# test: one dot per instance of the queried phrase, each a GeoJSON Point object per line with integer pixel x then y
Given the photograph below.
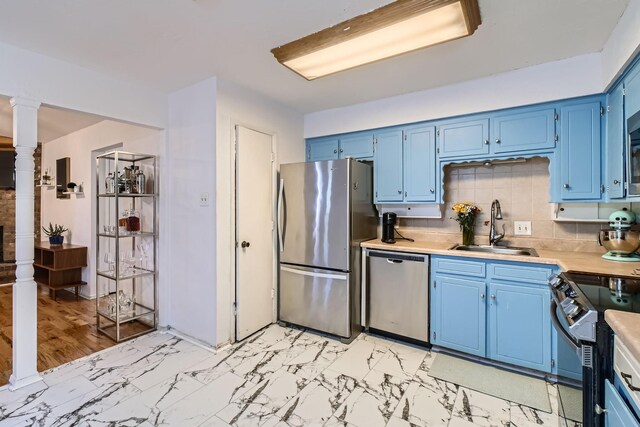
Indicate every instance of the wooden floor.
{"type": "Point", "coordinates": [66, 330]}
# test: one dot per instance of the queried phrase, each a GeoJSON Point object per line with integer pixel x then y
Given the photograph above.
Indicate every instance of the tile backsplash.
{"type": "Point", "coordinates": [523, 192]}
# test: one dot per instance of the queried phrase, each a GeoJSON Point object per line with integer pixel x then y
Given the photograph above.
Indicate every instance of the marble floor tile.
{"type": "Point", "coordinates": [319, 400]}
{"type": "Point", "coordinates": [259, 403]}
{"type": "Point", "coordinates": [279, 377]}
{"type": "Point", "coordinates": [359, 359]}
{"type": "Point", "coordinates": [481, 409]}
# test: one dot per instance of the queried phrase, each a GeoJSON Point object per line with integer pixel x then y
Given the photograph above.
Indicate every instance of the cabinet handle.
{"type": "Point", "coordinates": [405, 194]}
{"type": "Point", "coordinates": [497, 141]}
{"type": "Point", "coordinates": [565, 185]}
{"type": "Point", "coordinates": [482, 296]}
{"type": "Point", "coordinates": [600, 410]}
{"type": "Point", "coordinates": [486, 142]}
{"type": "Point", "coordinates": [342, 150]}
{"type": "Point", "coordinates": [493, 296]}
{"type": "Point", "coordinates": [627, 379]}
{"type": "Point", "coordinates": [432, 190]}
{"type": "Point", "coordinates": [335, 151]}
{"type": "Point", "coordinates": [616, 181]}
{"type": "Point", "coordinates": [399, 191]}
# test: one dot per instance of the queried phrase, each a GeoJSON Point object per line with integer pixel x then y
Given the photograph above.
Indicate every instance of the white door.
{"type": "Point", "coordinates": [255, 243]}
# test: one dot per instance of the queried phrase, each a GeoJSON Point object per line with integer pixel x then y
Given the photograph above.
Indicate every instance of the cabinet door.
{"type": "Point", "coordinates": [358, 146]}
{"type": "Point", "coordinates": [322, 149]}
{"type": "Point", "coordinates": [420, 164]}
{"type": "Point", "coordinates": [520, 326]}
{"type": "Point", "coordinates": [618, 413]}
{"type": "Point", "coordinates": [632, 92]}
{"type": "Point", "coordinates": [580, 152]}
{"type": "Point", "coordinates": [525, 131]}
{"type": "Point", "coordinates": [615, 144]}
{"type": "Point", "coordinates": [464, 139]}
{"type": "Point", "coordinates": [388, 166]}
{"type": "Point", "coordinates": [458, 316]}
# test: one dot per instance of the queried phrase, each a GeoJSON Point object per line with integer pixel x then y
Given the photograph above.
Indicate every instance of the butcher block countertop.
{"type": "Point", "coordinates": [572, 262]}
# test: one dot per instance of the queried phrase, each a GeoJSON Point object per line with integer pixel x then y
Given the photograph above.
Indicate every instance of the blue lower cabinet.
{"type": "Point", "coordinates": [458, 314]}
{"type": "Point", "coordinates": [617, 414]}
{"type": "Point", "coordinates": [519, 325]}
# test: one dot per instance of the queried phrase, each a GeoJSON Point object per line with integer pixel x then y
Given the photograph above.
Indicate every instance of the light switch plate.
{"type": "Point", "coordinates": [522, 228]}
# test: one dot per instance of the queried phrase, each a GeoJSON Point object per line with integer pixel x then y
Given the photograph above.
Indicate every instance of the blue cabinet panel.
{"type": "Point", "coordinates": [521, 273]}
{"type": "Point", "coordinates": [519, 325]}
{"type": "Point", "coordinates": [455, 265]}
{"type": "Point", "coordinates": [358, 145]}
{"type": "Point", "coordinates": [419, 164]}
{"type": "Point", "coordinates": [459, 309]}
{"type": "Point", "coordinates": [580, 152]}
{"type": "Point", "coordinates": [615, 144]}
{"type": "Point", "coordinates": [632, 92]}
{"type": "Point", "coordinates": [531, 130]}
{"type": "Point", "coordinates": [388, 166]}
{"type": "Point", "coordinates": [464, 139]}
{"type": "Point", "coordinates": [618, 414]}
{"type": "Point", "coordinates": [322, 149]}
{"type": "Point", "coordinates": [568, 363]}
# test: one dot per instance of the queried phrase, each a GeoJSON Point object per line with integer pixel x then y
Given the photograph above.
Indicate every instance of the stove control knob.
{"type": "Point", "coordinates": [567, 303]}
{"type": "Point", "coordinates": [574, 312]}
{"type": "Point", "coordinates": [556, 281]}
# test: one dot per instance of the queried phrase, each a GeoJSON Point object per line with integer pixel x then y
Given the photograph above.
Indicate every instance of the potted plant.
{"type": "Point", "coordinates": [54, 232]}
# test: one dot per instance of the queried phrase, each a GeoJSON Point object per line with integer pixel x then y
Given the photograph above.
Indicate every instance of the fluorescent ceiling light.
{"type": "Point", "coordinates": [394, 29]}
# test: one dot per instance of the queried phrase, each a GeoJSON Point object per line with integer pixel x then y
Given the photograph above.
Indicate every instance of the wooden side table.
{"type": "Point", "coordinates": [59, 266]}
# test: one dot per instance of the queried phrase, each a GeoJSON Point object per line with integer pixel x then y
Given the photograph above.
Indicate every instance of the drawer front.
{"type": "Point", "coordinates": [520, 273]}
{"type": "Point", "coordinates": [628, 369]}
{"type": "Point", "coordinates": [460, 267]}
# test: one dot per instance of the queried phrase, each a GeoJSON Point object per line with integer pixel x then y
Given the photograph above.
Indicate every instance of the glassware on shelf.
{"type": "Point", "coordinates": [144, 249]}
{"type": "Point", "coordinates": [122, 223]}
{"type": "Point", "coordinates": [110, 183]}
{"type": "Point", "coordinates": [110, 261]}
{"type": "Point", "coordinates": [126, 303]}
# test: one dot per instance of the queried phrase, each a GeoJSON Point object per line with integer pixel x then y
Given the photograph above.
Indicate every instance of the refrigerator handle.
{"type": "Point", "coordinates": [280, 225]}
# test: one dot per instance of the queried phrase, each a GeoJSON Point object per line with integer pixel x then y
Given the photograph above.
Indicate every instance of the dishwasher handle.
{"type": "Point", "coordinates": [396, 258]}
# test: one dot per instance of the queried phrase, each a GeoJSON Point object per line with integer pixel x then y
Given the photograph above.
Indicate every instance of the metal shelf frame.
{"type": "Point", "coordinates": [114, 325]}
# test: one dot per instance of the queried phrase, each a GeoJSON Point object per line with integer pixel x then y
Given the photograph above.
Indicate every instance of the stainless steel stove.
{"type": "Point", "coordinates": [585, 340]}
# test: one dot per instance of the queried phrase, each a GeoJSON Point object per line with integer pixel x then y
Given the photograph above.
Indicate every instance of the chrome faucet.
{"type": "Point", "coordinates": [496, 213]}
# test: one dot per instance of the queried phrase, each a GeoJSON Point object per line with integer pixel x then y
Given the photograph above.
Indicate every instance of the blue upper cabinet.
{"type": "Point", "coordinates": [323, 148]}
{"type": "Point", "coordinates": [632, 91]}
{"type": "Point", "coordinates": [519, 325]}
{"type": "Point", "coordinates": [464, 139]}
{"type": "Point", "coordinates": [358, 145]}
{"type": "Point", "coordinates": [580, 174]}
{"type": "Point", "coordinates": [419, 164]}
{"type": "Point", "coordinates": [388, 166]}
{"type": "Point", "coordinates": [614, 181]}
{"type": "Point", "coordinates": [521, 132]}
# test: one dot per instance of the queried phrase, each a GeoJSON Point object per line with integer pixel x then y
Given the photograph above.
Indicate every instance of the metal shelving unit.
{"type": "Point", "coordinates": [126, 278]}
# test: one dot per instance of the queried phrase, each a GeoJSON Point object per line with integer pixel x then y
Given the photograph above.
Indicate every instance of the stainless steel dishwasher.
{"type": "Point", "coordinates": [397, 294]}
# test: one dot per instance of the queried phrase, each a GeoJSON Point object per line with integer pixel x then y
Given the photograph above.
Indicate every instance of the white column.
{"type": "Point", "coordinates": [25, 290]}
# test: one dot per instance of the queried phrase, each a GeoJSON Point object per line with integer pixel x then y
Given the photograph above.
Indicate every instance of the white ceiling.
{"type": "Point", "coordinates": [52, 122]}
{"type": "Point", "coordinates": [170, 44]}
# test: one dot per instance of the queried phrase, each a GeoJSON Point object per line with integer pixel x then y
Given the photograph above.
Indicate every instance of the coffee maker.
{"type": "Point", "coordinates": [388, 227]}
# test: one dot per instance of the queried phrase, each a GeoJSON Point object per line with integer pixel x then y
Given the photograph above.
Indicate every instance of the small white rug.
{"type": "Point", "coordinates": [528, 391]}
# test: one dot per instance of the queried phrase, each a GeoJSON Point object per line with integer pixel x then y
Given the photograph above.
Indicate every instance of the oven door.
{"type": "Point", "coordinates": [575, 390]}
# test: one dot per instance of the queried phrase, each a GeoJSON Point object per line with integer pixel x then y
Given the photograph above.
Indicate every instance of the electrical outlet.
{"type": "Point", "coordinates": [522, 228]}
{"type": "Point", "coordinates": [204, 199]}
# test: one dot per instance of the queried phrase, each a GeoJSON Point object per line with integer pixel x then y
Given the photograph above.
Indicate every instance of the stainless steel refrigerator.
{"type": "Point", "coordinates": [325, 209]}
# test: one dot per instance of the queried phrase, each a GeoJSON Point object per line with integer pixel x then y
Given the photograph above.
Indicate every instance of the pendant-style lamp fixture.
{"type": "Point", "coordinates": [390, 30]}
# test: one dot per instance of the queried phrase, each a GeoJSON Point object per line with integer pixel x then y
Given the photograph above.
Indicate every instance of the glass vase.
{"type": "Point", "coordinates": [467, 235]}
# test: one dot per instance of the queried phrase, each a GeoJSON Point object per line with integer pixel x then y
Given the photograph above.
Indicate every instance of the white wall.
{"type": "Point", "coordinates": [191, 292]}
{"type": "Point", "coordinates": [58, 83]}
{"type": "Point", "coordinates": [75, 213]}
{"type": "Point", "coordinates": [239, 106]}
{"type": "Point", "coordinates": [555, 80]}
{"type": "Point", "coordinates": [623, 43]}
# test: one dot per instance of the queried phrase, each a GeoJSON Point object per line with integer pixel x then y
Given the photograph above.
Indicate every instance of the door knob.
{"type": "Point", "coordinates": [486, 142]}
{"type": "Point", "coordinates": [497, 141]}
{"type": "Point", "coordinates": [616, 181]}
{"type": "Point", "coordinates": [482, 296]}
{"type": "Point", "coordinates": [335, 151]}
{"type": "Point", "coordinates": [399, 191]}
{"type": "Point", "coordinates": [432, 190]}
{"type": "Point", "coordinates": [565, 186]}
{"type": "Point", "coordinates": [493, 296]}
{"type": "Point", "coordinates": [245, 244]}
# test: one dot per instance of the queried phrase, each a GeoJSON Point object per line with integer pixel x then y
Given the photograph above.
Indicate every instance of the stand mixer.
{"type": "Point", "coordinates": [619, 239]}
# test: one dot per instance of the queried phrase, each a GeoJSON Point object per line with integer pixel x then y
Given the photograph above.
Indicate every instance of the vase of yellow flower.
{"type": "Point", "coordinates": [466, 216]}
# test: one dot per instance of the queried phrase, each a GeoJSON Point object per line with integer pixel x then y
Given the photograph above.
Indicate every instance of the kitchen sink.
{"type": "Point", "coordinates": [501, 250]}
